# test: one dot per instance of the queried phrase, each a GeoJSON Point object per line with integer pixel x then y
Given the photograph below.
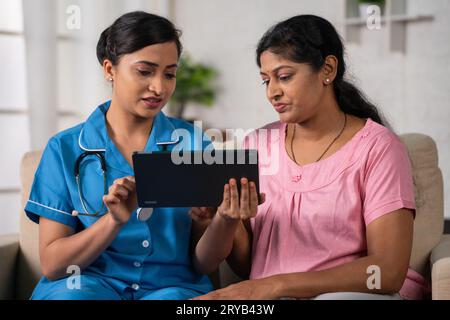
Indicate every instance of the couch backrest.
{"type": "Point", "coordinates": [428, 225]}
{"type": "Point", "coordinates": [429, 222]}
{"type": "Point", "coordinates": [29, 270]}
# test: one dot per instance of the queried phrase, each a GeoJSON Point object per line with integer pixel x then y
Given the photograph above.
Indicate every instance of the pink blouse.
{"type": "Point", "coordinates": [315, 216]}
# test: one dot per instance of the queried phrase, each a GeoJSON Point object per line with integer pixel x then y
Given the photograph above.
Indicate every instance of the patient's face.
{"type": "Point", "coordinates": [295, 90]}
{"type": "Point", "coordinates": [145, 80]}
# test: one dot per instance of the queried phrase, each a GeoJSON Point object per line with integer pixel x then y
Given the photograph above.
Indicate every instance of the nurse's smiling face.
{"type": "Point", "coordinates": [144, 81]}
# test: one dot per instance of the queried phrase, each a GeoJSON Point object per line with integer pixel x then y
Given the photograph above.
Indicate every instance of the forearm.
{"type": "Point", "coordinates": [197, 230]}
{"type": "Point", "coordinates": [355, 276]}
{"type": "Point", "coordinates": [80, 249]}
{"type": "Point", "coordinates": [240, 256]}
{"type": "Point", "coordinates": [215, 244]}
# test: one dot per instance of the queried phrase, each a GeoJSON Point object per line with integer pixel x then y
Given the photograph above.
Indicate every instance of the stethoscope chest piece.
{"type": "Point", "coordinates": [143, 214]}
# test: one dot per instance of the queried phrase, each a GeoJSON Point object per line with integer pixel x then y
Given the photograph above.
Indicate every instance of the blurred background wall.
{"type": "Point", "coordinates": [50, 78]}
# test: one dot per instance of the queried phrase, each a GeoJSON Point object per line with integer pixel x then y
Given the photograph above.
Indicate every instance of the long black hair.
{"type": "Point", "coordinates": [310, 39]}
{"type": "Point", "coordinates": [134, 31]}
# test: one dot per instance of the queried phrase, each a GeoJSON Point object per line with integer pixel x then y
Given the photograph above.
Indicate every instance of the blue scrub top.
{"type": "Point", "coordinates": [153, 254]}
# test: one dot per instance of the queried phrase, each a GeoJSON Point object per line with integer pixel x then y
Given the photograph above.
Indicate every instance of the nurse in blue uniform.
{"type": "Point", "coordinates": [83, 194]}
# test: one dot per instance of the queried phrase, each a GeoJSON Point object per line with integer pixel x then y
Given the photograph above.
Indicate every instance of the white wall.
{"type": "Point", "coordinates": [412, 89]}
{"type": "Point", "coordinates": [224, 34]}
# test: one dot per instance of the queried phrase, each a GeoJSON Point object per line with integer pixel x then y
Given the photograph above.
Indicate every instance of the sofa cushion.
{"type": "Point", "coordinates": [428, 183]}
{"type": "Point", "coordinates": [29, 271]}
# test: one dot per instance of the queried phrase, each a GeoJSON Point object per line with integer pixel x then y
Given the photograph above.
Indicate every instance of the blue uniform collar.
{"type": "Point", "coordinates": [94, 135]}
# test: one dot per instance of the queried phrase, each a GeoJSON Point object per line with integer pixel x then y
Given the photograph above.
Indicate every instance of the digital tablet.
{"type": "Point", "coordinates": [192, 178]}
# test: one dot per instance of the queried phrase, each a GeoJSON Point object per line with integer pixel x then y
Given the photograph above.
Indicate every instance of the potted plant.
{"type": "Point", "coordinates": [194, 84]}
{"type": "Point", "coordinates": [365, 4]}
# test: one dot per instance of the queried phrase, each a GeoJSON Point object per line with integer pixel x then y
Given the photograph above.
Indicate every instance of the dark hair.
{"type": "Point", "coordinates": [134, 31]}
{"type": "Point", "coordinates": [310, 39]}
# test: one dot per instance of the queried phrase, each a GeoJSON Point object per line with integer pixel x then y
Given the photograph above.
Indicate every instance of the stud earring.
{"type": "Point", "coordinates": [110, 79]}
{"type": "Point", "coordinates": [327, 80]}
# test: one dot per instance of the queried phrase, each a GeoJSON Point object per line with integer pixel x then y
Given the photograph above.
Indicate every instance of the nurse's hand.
{"type": "Point", "coordinates": [121, 199]}
{"type": "Point", "coordinates": [240, 207]}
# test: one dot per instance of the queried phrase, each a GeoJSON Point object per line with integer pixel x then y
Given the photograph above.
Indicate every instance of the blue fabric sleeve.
{"type": "Point", "coordinates": [49, 196]}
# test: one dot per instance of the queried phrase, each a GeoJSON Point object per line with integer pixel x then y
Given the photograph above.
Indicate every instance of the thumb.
{"type": "Point", "coordinates": [105, 200]}
{"type": "Point", "coordinates": [263, 198]}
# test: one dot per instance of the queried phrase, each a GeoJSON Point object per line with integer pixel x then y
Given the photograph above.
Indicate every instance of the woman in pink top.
{"type": "Point", "coordinates": [337, 222]}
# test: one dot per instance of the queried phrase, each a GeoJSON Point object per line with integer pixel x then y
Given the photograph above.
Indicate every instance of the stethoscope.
{"type": "Point", "coordinates": [143, 214]}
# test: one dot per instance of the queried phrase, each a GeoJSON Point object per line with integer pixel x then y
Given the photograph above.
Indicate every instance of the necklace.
{"type": "Point", "coordinates": [329, 146]}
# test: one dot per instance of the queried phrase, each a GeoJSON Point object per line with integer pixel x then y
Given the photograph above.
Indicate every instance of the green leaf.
{"type": "Point", "coordinates": [195, 83]}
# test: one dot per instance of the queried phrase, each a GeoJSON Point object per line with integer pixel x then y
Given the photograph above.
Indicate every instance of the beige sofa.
{"type": "Point", "coordinates": [19, 258]}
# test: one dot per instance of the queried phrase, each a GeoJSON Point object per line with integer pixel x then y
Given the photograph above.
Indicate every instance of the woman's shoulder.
{"type": "Point", "coordinates": [264, 136]}
{"type": "Point", "coordinates": [67, 135]}
{"type": "Point", "coordinates": [376, 143]}
{"type": "Point", "coordinates": [192, 135]}
{"type": "Point", "coordinates": [379, 136]}
{"type": "Point", "coordinates": [62, 145]}
{"type": "Point", "coordinates": [178, 123]}
{"type": "Point", "coordinates": [273, 129]}
{"type": "Point", "coordinates": [276, 125]}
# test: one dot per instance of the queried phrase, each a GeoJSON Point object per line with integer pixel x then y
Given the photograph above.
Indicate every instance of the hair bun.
{"type": "Point", "coordinates": [102, 46]}
{"type": "Point", "coordinates": [134, 31]}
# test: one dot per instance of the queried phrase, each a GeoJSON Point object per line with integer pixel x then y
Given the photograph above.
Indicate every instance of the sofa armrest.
{"type": "Point", "coordinates": [440, 269]}
{"type": "Point", "coordinates": [9, 248]}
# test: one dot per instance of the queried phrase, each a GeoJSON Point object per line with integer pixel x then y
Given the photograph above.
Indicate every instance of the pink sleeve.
{"type": "Point", "coordinates": [388, 183]}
